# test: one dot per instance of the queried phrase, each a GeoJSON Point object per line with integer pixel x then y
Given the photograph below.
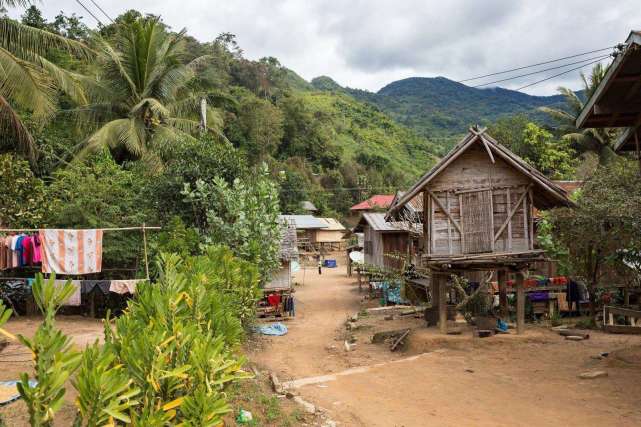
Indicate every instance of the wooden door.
{"type": "Point", "coordinates": [477, 222]}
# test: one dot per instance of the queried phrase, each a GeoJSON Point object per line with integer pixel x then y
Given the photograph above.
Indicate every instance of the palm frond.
{"type": "Point", "coordinates": [13, 131]}
{"type": "Point", "coordinates": [27, 85]}
{"type": "Point", "coordinates": [560, 116]}
{"type": "Point", "coordinates": [67, 81]}
{"type": "Point", "coordinates": [154, 105]}
{"type": "Point", "coordinates": [119, 132]}
{"type": "Point", "coordinates": [24, 41]}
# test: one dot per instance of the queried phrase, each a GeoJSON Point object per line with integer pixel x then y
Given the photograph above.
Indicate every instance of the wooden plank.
{"type": "Point", "coordinates": [431, 205]}
{"type": "Point", "coordinates": [492, 220]}
{"type": "Point", "coordinates": [399, 340]}
{"type": "Point", "coordinates": [426, 223]}
{"type": "Point", "coordinates": [525, 224]}
{"type": "Point", "coordinates": [509, 222]}
{"type": "Point", "coordinates": [460, 208]}
{"type": "Point", "coordinates": [622, 329]}
{"type": "Point", "coordinates": [449, 229]}
{"type": "Point", "coordinates": [440, 206]}
{"type": "Point", "coordinates": [477, 222]}
{"type": "Point", "coordinates": [520, 304]}
{"type": "Point", "coordinates": [489, 152]}
{"type": "Point", "coordinates": [531, 218]}
{"type": "Point", "coordinates": [442, 303]}
{"type": "Point", "coordinates": [622, 311]}
{"type": "Point", "coordinates": [512, 212]}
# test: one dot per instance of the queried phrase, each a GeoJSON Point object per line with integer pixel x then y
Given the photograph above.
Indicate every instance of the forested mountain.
{"type": "Point", "coordinates": [438, 107]}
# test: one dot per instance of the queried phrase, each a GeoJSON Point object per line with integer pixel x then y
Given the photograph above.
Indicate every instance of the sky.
{"type": "Point", "coordinates": [367, 44]}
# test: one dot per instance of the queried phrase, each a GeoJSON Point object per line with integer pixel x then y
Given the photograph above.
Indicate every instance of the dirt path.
{"type": "Point", "coordinates": [454, 380]}
{"type": "Point", "coordinates": [323, 304]}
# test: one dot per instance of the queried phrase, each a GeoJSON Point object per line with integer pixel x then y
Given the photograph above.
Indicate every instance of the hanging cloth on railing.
{"type": "Point", "coordinates": [71, 251]}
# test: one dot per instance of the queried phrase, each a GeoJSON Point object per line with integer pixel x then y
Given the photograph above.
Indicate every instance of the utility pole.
{"type": "Point", "coordinates": [203, 114]}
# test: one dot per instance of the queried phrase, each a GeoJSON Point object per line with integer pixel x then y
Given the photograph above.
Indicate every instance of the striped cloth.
{"type": "Point", "coordinates": [71, 251]}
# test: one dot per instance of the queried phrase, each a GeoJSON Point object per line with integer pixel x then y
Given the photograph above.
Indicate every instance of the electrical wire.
{"type": "Point", "coordinates": [90, 13]}
{"type": "Point", "coordinates": [542, 71]}
{"type": "Point", "coordinates": [557, 75]}
{"type": "Point", "coordinates": [103, 12]}
{"type": "Point", "coordinates": [537, 64]}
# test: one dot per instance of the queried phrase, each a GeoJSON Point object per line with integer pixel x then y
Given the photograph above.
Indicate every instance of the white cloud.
{"type": "Point", "coordinates": [369, 43]}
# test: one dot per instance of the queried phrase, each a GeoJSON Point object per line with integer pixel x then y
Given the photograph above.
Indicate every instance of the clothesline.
{"type": "Point", "coordinates": [15, 230]}
{"type": "Point", "coordinates": [143, 228]}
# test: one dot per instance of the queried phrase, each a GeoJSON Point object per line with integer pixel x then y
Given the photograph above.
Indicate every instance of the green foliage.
{"type": "Point", "coordinates": [101, 194]}
{"type": "Point", "coordinates": [23, 199]}
{"type": "Point", "coordinates": [104, 389]}
{"type": "Point", "coordinates": [597, 141]}
{"type": "Point", "coordinates": [143, 99]}
{"type": "Point", "coordinates": [176, 238]}
{"type": "Point", "coordinates": [605, 222]}
{"type": "Point", "coordinates": [189, 161]}
{"type": "Point", "coordinates": [552, 156]}
{"type": "Point", "coordinates": [55, 360]}
{"type": "Point", "coordinates": [175, 342]}
{"type": "Point", "coordinates": [243, 216]}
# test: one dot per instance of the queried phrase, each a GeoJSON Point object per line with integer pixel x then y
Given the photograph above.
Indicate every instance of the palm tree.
{"type": "Point", "coordinates": [597, 141]}
{"type": "Point", "coordinates": [144, 96]}
{"type": "Point", "coordinates": [29, 81]}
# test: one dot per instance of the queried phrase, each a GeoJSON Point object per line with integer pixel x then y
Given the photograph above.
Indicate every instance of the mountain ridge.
{"type": "Point", "coordinates": [437, 107]}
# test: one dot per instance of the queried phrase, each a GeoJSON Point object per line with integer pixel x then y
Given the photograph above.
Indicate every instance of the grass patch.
{"type": "Point", "coordinates": [267, 409]}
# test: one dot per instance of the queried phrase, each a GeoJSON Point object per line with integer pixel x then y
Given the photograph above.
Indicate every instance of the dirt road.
{"type": "Point", "coordinates": [448, 380]}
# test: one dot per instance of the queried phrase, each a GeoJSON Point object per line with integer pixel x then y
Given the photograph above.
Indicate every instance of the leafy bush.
{"type": "Point", "coordinates": [23, 201]}
{"type": "Point", "coordinates": [243, 216]}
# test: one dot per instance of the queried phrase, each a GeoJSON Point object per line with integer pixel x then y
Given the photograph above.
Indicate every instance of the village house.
{"type": "Point", "coordinates": [387, 244]}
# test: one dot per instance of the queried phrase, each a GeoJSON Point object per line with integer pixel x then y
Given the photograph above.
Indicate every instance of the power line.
{"type": "Point", "coordinates": [89, 12]}
{"type": "Point", "coordinates": [101, 9]}
{"type": "Point", "coordinates": [536, 65]}
{"type": "Point", "coordinates": [557, 75]}
{"type": "Point", "coordinates": [542, 71]}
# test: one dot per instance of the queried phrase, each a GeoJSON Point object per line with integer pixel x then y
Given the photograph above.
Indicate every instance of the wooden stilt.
{"type": "Point", "coordinates": [442, 304]}
{"type": "Point", "coordinates": [520, 304]}
{"type": "Point", "coordinates": [503, 309]}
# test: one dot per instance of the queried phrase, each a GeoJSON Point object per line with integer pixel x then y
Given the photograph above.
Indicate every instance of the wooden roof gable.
{"type": "Point", "coordinates": [616, 102]}
{"type": "Point", "coordinates": [549, 194]}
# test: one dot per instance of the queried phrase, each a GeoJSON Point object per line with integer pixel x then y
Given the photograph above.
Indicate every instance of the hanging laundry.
{"type": "Point", "coordinates": [273, 300]}
{"type": "Point", "coordinates": [124, 286]}
{"type": "Point", "coordinates": [71, 251]}
{"type": "Point", "coordinates": [27, 250]}
{"type": "Point", "coordinates": [36, 249]}
{"type": "Point", "coordinates": [75, 298]}
{"type": "Point", "coordinates": [88, 286]}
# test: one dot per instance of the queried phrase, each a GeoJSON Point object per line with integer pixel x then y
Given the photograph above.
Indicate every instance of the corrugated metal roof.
{"type": "Point", "coordinates": [308, 206]}
{"type": "Point", "coordinates": [378, 201]}
{"type": "Point", "coordinates": [304, 222]}
{"type": "Point", "coordinates": [332, 224]}
{"type": "Point", "coordinates": [376, 220]}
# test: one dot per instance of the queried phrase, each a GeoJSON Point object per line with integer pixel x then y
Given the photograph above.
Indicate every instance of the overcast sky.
{"type": "Point", "coordinates": [369, 43]}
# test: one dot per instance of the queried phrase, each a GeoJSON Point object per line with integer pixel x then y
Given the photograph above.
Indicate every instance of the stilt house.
{"type": "Point", "coordinates": [479, 199]}
{"type": "Point", "coordinates": [478, 215]}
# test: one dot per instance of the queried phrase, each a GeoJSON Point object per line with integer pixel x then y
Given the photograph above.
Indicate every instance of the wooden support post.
{"type": "Point", "coordinates": [442, 304]}
{"type": "Point", "coordinates": [144, 242]}
{"type": "Point", "coordinates": [502, 279]}
{"type": "Point", "coordinates": [520, 303]}
{"type": "Point", "coordinates": [426, 223]}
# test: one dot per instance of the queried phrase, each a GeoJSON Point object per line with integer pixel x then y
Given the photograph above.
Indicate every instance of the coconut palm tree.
{"type": "Point", "coordinates": [29, 82]}
{"type": "Point", "coordinates": [597, 141]}
{"type": "Point", "coordinates": [144, 95]}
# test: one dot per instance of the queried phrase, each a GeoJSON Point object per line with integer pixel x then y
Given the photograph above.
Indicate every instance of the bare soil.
{"type": "Point", "coordinates": [454, 380]}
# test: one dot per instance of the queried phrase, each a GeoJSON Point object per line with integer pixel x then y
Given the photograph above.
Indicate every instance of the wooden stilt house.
{"type": "Point", "coordinates": [478, 208]}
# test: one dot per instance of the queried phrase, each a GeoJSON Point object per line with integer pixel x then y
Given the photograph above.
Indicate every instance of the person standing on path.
{"type": "Point", "coordinates": [320, 266]}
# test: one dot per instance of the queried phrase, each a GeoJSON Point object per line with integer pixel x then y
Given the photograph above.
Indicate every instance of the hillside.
{"type": "Point", "coordinates": [442, 108]}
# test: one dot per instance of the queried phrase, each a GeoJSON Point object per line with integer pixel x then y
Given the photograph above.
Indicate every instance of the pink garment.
{"type": "Point", "coordinates": [36, 249]}
{"type": "Point", "coordinates": [27, 250]}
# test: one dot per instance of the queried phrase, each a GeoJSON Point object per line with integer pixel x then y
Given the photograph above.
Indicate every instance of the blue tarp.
{"type": "Point", "coordinates": [15, 396]}
{"type": "Point", "coordinates": [273, 329]}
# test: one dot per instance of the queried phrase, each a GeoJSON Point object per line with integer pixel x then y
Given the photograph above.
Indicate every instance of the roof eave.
{"type": "Point", "coordinates": [605, 83]}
